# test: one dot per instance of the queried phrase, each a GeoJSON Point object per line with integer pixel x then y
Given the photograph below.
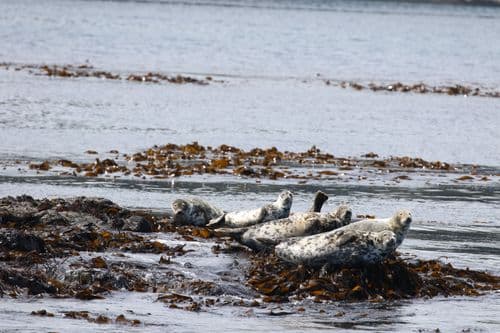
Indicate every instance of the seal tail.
{"type": "Point", "coordinates": [318, 201]}
{"type": "Point", "coordinates": [217, 221]}
{"type": "Point", "coordinates": [235, 233]}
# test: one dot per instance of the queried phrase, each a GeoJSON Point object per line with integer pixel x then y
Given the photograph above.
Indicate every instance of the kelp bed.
{"type": "Point", "coordinates": [87, 70]}
{"type": "Point", "coordinates": [172, 160]}
{"type": "Point", "coordinates": [394, 278]}
{"type": "Point", "coordinates": [41, 242]}
{"type": "Point", "coordinates": [73, 248]}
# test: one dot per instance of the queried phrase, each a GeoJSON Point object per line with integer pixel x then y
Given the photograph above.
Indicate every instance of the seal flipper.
{"type": "Point", "coordinates": [260, 244]}
{"type": "Point", "coordinates": [217, 221]}
{"type": "Point", "coordinates": [318, 201]}
{"type": "Point", "coordinates": [235, 233]}
{"type": "Point", "coordinates": [344, 238]}
{"type": "Point", "coordinates": [267, 242]}
{"type": "Point", "coordinates": [262, 215]}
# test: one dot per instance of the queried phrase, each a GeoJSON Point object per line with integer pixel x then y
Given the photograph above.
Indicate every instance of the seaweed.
{"type": "Point", "coordinates": [394, 278]}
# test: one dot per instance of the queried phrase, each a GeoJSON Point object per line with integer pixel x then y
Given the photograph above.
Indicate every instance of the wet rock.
{"type": "Point", "coordinates": [21, 241]}
{"type": "Point", "coordinates": [34, 284]}
{"type": "Point", "coordinates": [21, 210]}
{"type": "Point", "coordinates": [121, 319]}
{"type": "Point", "coordinates": [138, 224]}
{"type": "Point", "coordinates": [101, 319]}
{"type": "Point", "coordinates": [52, 217]}
{"type": "Point", "coordinates": [44, 166]}
{"type": "Point", "coordinates": [27, 242]}
{"type": "Point", "coordinates": [87, 295]}
{"type": "Point", "coordinates": [99, 262]}
{"type": "Point", "coordinates": [42, 313]}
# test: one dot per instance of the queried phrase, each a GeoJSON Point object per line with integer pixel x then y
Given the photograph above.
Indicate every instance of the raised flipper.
{"type": "Point", "coordinates": [318, 201]}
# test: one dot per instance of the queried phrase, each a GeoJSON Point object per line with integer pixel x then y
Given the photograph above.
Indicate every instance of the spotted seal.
{"type": "Point", "coordinates": [363, 242]}
{"type": "Point", "coordinates": [273, 211]}
{"type": "Point", "coordinates": [268, 234]}
{"type": "Point", "coordinates": [194, 211]}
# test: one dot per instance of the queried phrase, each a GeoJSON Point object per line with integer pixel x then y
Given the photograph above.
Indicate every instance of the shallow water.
{"type": "Point", "coordinates": [43, 117]}
{"type": "Point", "coordinates": [268, 53]}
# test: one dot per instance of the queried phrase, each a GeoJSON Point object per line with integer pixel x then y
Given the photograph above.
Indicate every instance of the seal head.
{"type": "Point", "coordinates": [194, 211]}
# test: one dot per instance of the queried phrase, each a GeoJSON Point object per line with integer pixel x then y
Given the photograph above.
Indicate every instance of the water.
{"type": "Point", "coordinates": [344, 39]}
{"type": "Point", "coordinates": [269, 55]}
{"type": "Point", "coordinates": [43, 117]}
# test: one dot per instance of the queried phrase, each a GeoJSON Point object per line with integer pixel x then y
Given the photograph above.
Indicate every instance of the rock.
{"type": "Point", "coordinates": [52, 217]}
{"type": "Point", "coordinates": [20, 241]}
{"type": "Point", "coordinates": [27, 242]}
{"type": "Point", "coordinates": [137, 223]}
{"type": "Point", "coordinates": [34, 284]}
{"type": "Point", "coordinates": [21, 210]}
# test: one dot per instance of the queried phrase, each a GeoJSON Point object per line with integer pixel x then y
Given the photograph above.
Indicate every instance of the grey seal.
{"type": "Point", "coordinates": [194, 211]}
{"type": "Point", "coordinates": [363, 242]}
{"type": "Point", "coordinates": [268, 234]}
{"type": "Point", "coordinates": [273, 211]}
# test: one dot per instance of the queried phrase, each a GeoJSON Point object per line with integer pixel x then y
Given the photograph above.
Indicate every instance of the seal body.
{"type": "Point", "coordinates": [338, 247]}
{"type": "Point", "coordinates": [363, 242]}
{"type": "Point", "coordinates": [194, 211]}
{"type": "Point", "coordinates": [268, 234]}
{"type": "Point", "coordinates": [273, 211]}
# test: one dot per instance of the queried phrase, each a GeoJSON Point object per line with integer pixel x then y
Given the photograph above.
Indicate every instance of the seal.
{"type": "Point", "coordinates": [363, 242]}
{"type": "Point", "coordinates": [273, 211]}
{"type": "Point", "coordinates": [262, 236]}
{"type": "Point", "coordinates": [194, 211]}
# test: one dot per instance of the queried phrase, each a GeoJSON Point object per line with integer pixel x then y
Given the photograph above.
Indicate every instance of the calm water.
{"type": "Point", "coordinates": [370, 40]}
{"type": "Point", "coordinates": [269, 54]}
